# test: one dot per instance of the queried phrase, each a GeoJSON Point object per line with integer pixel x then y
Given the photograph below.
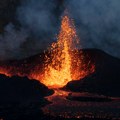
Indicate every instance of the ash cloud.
{"type": "Point", "coordinates": [37, 29]}
{"type": "Point", "coordinates": [98, 23]}
{"type": "Point", "coordinates": [11, 41]}
{"type": "Point", "coordinates": [38, 16]}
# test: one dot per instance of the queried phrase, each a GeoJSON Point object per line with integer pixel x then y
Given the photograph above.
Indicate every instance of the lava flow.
{"type": "Point", "coordinates": [63, 63]}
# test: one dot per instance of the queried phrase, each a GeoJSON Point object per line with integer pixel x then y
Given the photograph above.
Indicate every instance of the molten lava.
{"type": "Point", "coordinates": [63, 63]}
{"type": "Point", "coordinates": [58, 72]}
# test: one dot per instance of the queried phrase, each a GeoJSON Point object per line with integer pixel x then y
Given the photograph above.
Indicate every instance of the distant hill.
{"type": "Point", "coordinates": [105, 80]}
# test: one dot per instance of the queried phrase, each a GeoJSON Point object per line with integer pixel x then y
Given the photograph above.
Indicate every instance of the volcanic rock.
{"type": "Point", "coordinates": [106, 78]}
{"type": "Point", "coordinates": [21, 98]}
{"type": "Point", "coordinates": [21, 88]}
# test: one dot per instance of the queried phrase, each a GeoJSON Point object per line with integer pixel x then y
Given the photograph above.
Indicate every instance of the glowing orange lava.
{"type": "Point", "coordinates": [65, 64]}
{"type": "Point", "coordinates": [5, 72]}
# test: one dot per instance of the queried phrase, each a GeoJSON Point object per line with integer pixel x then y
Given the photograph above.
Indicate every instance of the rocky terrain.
{"type": "Point", "coordinates": [21, 97]}
{"type": "Point", "coordinates": [106, 78]}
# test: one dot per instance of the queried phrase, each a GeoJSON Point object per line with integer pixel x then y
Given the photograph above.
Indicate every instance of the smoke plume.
{"type": "Point", "coordinates": [98, 23]}
{"type": "Point", "coordinates": [38, 26]}
{"type": "Point", "coordinates": [11, 41]}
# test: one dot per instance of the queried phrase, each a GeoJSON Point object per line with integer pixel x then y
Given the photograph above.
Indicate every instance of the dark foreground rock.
{"type": "Point", "coordinates": [21, 98]}
{"type": "Point", "coordinates": [89, 99]}
{"type": "Point", "coordinates": [106, 78]}
{"type": "Point", "coordinates": [19, 89]}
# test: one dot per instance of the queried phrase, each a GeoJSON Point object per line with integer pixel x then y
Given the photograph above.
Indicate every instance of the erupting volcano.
{"type": "Point", "coordinates": [60, 71]}
{"type": "Point", "coordinates": [62, 63]}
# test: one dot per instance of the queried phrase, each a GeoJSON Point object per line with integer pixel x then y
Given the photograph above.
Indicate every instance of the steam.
{"type": "Point", "coordinates": [11, 41]}
{"type": "Point", "coordinates": [37, 16]}
{"type": "Point", "coordinates": [98, 23]}
{"type": "Point", "coordinates": [38, 27]}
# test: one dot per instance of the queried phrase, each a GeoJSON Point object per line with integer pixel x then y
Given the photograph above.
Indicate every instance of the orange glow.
{"type": "Point", "coordinates": [63, 63]}
{"type": "Point", "coordinates": [5, 72]}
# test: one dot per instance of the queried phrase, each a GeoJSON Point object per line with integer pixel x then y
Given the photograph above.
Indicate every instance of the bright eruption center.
{"type": "Point", "coordinates": [60, 70]}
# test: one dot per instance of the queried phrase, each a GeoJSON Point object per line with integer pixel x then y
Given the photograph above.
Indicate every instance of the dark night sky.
{"type": "Point", "coordinates": [97, 23]}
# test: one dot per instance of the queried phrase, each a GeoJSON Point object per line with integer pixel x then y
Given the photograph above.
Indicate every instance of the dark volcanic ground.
{"type": "Point", "coordinates": [97, 96]}
{"type": "Point", "coordinates": [21, 98]}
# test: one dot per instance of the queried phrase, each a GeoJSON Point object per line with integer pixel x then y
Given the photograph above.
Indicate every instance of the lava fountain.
{"type": "Point", "coordinates": [64, 63]}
